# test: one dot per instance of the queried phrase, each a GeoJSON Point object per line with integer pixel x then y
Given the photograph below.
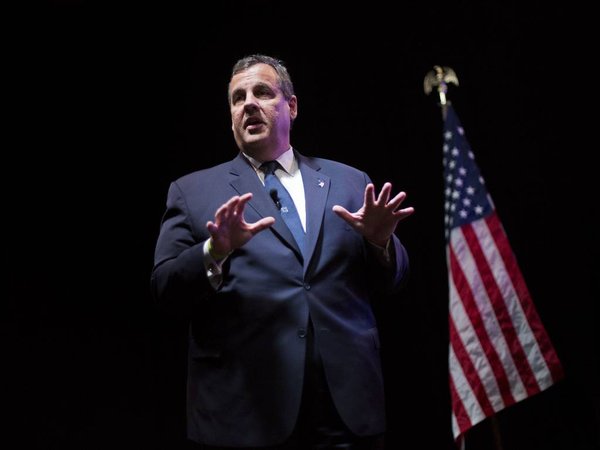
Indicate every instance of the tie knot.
{"type": "Point", "coordinates": [269, 167]}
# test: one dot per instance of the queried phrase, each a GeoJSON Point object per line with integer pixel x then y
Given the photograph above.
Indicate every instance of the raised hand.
{"type": "Point", "coordinates": [378, 217]}
{"type": "Point", "coordinates": [229, 229]}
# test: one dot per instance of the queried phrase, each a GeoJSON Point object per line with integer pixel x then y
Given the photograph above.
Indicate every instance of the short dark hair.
{"type": "Point", "coordinates": [285, 82]}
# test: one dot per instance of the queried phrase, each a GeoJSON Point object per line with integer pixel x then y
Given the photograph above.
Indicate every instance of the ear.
{"type": "Point", "coordinates": [293, 104]}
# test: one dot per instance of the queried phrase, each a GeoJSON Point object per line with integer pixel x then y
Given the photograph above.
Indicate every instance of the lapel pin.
{"type": "Point", "coordinates": [321, 183]}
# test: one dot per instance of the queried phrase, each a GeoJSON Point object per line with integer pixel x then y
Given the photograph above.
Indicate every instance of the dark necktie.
{"type": "Point", "coordinates": [284, 202]}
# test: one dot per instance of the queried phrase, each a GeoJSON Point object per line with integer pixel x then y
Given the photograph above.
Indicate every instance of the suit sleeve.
{"type": "Point", "coordinates": [390, 276]}
{"type": "Point", "coordinates": [179, 277]}
{"type": "Point", "coordinates": [401, 265]}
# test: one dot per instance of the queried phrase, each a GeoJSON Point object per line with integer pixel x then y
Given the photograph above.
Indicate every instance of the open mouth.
{"type": "Point", "coordinates": [253, 123]}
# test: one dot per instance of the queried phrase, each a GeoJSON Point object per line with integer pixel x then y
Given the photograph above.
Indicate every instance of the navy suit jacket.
{"type": "Point", "coordinates": [247, 338]}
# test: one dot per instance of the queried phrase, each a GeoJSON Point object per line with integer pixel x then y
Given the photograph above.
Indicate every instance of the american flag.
{"type": "Point", "coordinates": [499, 350]}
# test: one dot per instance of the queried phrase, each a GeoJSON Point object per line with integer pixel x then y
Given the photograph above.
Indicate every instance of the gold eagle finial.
{"type": "Point", "coordinates": [440, 77]}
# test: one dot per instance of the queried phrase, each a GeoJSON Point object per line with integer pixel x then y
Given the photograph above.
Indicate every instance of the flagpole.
{"type": "Point", "coordinates": [496, 432]}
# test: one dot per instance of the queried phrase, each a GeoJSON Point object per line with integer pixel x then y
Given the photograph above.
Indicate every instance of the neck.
{"type": "Point", "coordinates": [263, 155]}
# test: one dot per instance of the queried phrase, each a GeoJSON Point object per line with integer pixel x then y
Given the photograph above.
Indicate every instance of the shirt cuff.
{"type": "Point", "coordinates": [383, 254]}
{"type": "Point", "coordinates": [213, 266]}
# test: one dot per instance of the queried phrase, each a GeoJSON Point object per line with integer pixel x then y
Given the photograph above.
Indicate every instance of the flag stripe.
{"type": "Point", "coordinates": [466, 297]}
{"type": "Point", "coordinates": [471, 374]}
{"type": "Point", "coordinates": [503, 317]}
{"type": "Point", "coordinates": [551, 360]}
{"type": "Point", "coordinates": [493, 328]}
{"type": "Point", "coordinates": [460, 417]}
{"type": "Point", "coordinates": [515, 300]}
{"type": "Point", "coordinates": [464, 331]}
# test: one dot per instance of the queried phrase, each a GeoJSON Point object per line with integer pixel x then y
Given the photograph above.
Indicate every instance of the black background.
{"type": "Point", "coordinates": [109, 102]}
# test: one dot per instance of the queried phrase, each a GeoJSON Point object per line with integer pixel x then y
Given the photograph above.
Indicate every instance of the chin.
{"type": "Point", "coordinates": [254, 139]}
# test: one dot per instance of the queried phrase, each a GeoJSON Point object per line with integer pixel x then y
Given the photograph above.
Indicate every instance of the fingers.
{"type": "Point", "coordinates": [261, 225]}
{"type": "Point", "coordinates": [384, 200]}
{"type": "Point", "coordinates": [395, 203]}
{"type": "Point", "coordinates": [370, 195]}
{"type": "Point", "coordinates": [232, 208]}
{"type": "Point", "coordinates": [343, 212]}
{"type": "Point", "coordinates": [224, 211]}
{"type": "Point", "coordinates": [212, 227]}
{"type": "Point", "coordinates": [384, 195]}
{"type": "Point", "coordinates": [230, 229]}
{"type": "Point", "coordinates": [403, 213]}
{"type": "Point", "coordinates": [397, 200]}
{"type": "Point", "coordinates": [241, 204]}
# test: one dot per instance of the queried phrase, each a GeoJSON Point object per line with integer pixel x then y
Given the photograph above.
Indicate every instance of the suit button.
{"type": "Point", "coordinates": [301, 332]}
{"type": "Point", "coordinates": [307, 286]}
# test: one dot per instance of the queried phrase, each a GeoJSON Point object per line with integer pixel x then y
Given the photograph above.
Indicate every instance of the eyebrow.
{"type": "Point", "coordinates": [257, 85]}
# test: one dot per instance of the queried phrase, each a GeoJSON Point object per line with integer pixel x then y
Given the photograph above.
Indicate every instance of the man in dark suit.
{"type": "Point", "coordinates": [283, 343]}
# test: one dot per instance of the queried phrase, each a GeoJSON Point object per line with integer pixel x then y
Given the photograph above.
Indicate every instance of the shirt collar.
{"type": "Point", "coordinates": [286, 159]}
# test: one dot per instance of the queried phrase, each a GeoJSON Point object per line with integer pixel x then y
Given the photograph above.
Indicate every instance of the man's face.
{"type": "Point", "coordinates": [260, 114]}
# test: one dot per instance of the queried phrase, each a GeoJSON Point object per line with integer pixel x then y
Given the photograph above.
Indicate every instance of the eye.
{"type": "Point", "coordinates": [236, 97]}
{"type": "Point", "coordinates": [263, 92]}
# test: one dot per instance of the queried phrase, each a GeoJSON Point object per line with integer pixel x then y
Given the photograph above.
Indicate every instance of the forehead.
{"type": "Point", "coordinates": [256, 74]}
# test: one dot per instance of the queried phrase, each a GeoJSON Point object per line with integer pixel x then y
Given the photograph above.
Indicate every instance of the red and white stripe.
{"type": "Point", "coordinates": [499, 350]}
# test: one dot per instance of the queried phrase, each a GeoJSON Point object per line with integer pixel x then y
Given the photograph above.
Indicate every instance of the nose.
{"type": "Point", "coordinates": [250, 103]}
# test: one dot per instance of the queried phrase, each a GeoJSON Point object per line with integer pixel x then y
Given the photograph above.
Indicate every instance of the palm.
{"type": "Point", "coordinates": [378, 217]}
{"type": "Point", "coordinates": [229, 229]}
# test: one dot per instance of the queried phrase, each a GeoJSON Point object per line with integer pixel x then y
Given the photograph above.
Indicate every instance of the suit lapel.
{"type": "Point", "coordinates": [316, 190]}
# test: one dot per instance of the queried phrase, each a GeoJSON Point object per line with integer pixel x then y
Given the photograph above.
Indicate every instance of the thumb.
{"type": "Point", "coordinates": [342, 212]}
